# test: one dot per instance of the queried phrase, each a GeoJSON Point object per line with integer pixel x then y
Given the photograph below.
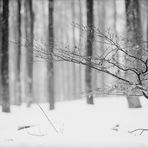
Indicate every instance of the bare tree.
{"type": "Point", "coordinates": [147, 27]}
{"type": "Point", "coordinates": [0, 45]}
{"type": "Point", "coordinates": [89, 49]}
{"type": "Point", "coordinates": [50, 63]}
{"type": "Point", "coordinates": [0, 21]}
{"type": "Point", "coordinates": [5, 62]}
{"type": "Point", "coordinates": [15, 47]}
{"type": "Point", "coordinates": [19, 50]}
{"type": "Point", "coordinates": [134, 33]}
{"type": "Point", "coordinates": [18, 67]}
{"type": "Point", "coordinates": [107, 63]}
{"type": "Point", "coordinates": [80, 43]}
{"type": "Point", "coordinates": [29, 27]}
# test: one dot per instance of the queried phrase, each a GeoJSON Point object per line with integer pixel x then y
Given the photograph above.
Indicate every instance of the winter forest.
{"type": "Point", "coordinates": [73, 73]}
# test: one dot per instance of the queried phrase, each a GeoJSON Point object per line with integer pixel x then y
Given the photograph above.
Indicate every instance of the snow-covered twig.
{"type": "Point", "coordinates": [51, 123]}
{"type": "Point", "coordinates": [24, 127]}
{"type": "Point", "coordinates": [139, 129]}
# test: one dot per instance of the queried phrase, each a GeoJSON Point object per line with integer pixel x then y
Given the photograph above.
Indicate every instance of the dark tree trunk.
{"type": "Point", "coordinates": [18, 67]}
{"type": "Point", "coordinates": [147, 28]}
{"type": "Point", "coordinates": [89, 50]}
{"type": "Point", "coordinates": [5, 62]}
{"type": "Point", "coordinates": [29, 27]}
{"type": "Point", "coordinates": [0, 49]}
{"type": "Point", "coordinates": [134, 34]}
{"type": "Point", "coordinates": [50, 63]}
{"type": "Point", "coordinates": [0, 24]}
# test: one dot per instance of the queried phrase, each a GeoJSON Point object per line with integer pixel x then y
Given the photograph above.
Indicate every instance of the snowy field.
{"type": "Point", "coordinates": [103, 125]}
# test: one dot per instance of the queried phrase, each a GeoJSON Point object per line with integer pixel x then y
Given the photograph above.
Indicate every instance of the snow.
{"type": "Point", "coordinates": [103, 125]}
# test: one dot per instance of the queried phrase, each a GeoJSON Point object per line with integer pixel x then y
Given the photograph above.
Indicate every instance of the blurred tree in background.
{"type": "Point", "coordinates": [18, 33]}
{"type": "Point", "coordinates": [5, 57]}
{"type": "Point", "coordinates": [29, 36]}
{"type": "Point", "coordinates": [51, 48]}
{"type": "Point", "coordinates": [89, 49]}
{"type": "Point", "coordinates": [134, 34]}
{"type": "Point", "coordinates": [0, 47]}
{"type": "Point", "coordinates": [15, 50]}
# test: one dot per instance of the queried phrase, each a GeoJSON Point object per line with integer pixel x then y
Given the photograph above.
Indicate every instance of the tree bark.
{"type": "Point", "coordinates": [0, 49]}
{"type": "Point", "coordinates": [5, 62]}
{"type": "Point", "coordinates": [89, 51]}
{"type": "Point", "coordinates": [147, 28]}
{"type": "Point", "coordinates": [50, 63]}
{"type": "Point", "coordinates": [134, 34]}
{"type": "Point", "coordinates": [102, 15]}
{"type": "Point", "coordinates": [0, 24]}
{"type": "Point", "coordinates": [29, 27]}
{"type": "Point", "coordinates": [74, 81]}
{"type": "Point", "coordinates": [18, 67]}
{"type": "Point", "coordinates": [80, 47]}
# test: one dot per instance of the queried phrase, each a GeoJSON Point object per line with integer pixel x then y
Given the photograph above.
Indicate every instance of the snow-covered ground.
{"type": "Point", "coordinates": [103, 125]}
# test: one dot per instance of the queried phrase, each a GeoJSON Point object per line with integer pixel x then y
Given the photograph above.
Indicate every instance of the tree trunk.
{"type": "Point", "coordinates": [102, 16]}
{"type": "Point", "coordinates": [74, 81]}
{"type": "Point", "coordinates": [50, 63]}
{"type": "Point", "coordinates": [134, 34]}
{"type": "Point", "coordinates": [0, 49]}
{"type": "Point", "coordinates": [147, 28]}
{"type": "Point", "coordinates": [5, 62]}
{"type": "Point", "coordinates": [89, 51]}
{"type": "Point", "coordinates": [133, 102]}
{"type": "Point", "coordinates": [18, 52]}
{"type": "Point", "coordinates": [80, 47]}
{"type": "Point", "coordinates": [29, 27]}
